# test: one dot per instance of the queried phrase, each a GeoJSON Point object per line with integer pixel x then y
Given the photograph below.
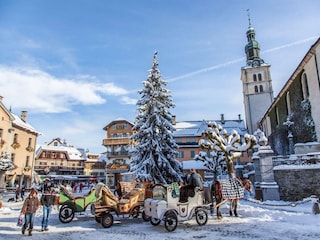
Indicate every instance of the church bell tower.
{"type": "Point", "coordinates": [256, 83]}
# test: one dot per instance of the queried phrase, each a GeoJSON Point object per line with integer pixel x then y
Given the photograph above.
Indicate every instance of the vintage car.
{"type": "Point", "coordinates": [70, 204]}
{"type": "Point", "coordinates": [131, 204]}
{"type": "Point", "coordinates": [165, 206]}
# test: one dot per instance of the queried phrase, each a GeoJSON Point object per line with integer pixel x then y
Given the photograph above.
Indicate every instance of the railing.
{"type": "Point", "coordinates": [114, 154]}
{"type": "Point", "coordinates": [301, 159]}
{"type": "Point", "coordinates": [116, 141]}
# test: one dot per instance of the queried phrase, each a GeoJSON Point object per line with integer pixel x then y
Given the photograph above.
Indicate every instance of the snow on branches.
{"type": "Point", "coordinates": [225, 148]}
{"type": "Point", "coordinates": [153, 156]}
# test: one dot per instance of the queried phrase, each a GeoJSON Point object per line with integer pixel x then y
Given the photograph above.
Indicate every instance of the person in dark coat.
{"type": "Point", "coordinates": [47, 201]}
{"type": "Point", "coordinates": [29, 208]}
{"type": "Point", "coordinates": [17, 192]}
{"type": "Point", "coordinates": [187, 190]}
{"type": "Point", "coordinates": [118, 189]}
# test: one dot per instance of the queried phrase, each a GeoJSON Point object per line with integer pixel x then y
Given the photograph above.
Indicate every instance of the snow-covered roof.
{"type": "Point", "coordinates": [196, 128]}
{"type": "Point", "coordinates": [190, 128]}
{"type": "Point", "coordinates": [73, 153]}
{"type": "Point", "coordinates": [198, 165]}
{"type": "Point", "coordinates": [18, 122]}
{"type": "Point", "coordinates": [119, 119]}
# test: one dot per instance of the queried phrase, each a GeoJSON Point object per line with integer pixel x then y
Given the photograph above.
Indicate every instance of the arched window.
{"type": "Point", "coordinates": [261, 88]}
{"type": "Point", "coordinates": [259, 77]}
{"type": "Point", "coordinates": [277, 116]}
{"type": "Point", "coordinates": [288, 103]}
{"type": "Point", "coordinates": [256, 89]}
{"type": "Point", "coordinates": [254, 77]}
{"type": "Point", "coordinates": [305, 88]}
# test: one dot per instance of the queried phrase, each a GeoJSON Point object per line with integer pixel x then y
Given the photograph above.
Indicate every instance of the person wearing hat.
{"type": "Point", "coordinates": [29, 208]}
{"type": "Point", "coordinates": [47, 201]}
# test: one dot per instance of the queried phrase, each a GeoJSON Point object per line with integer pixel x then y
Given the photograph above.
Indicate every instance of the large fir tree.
{"type": "Point", "coordinates": [153, 156]}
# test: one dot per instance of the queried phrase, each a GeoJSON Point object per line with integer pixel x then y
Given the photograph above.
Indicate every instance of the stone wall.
{"type": "Point", "coordinates": [296, 184]}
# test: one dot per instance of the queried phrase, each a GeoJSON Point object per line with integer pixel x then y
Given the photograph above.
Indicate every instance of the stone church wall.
{"type": "Point", "coordinates": [296, 184]}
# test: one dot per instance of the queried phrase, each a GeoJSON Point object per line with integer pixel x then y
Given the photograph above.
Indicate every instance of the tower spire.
{"type": "Point", "coordinates": [248, 13]}
{"type": "Point", "coordinates": [252, 48]}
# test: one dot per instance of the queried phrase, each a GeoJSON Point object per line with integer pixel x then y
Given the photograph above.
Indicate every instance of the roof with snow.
{"type": "Point", "coordinates": [196, 128]}
{"type": "Point", "coordinates": [24, 125]}
{"type": "Point", "coordinates": [72, 152]}
{"type": "Point", "coordinates": [119, 119]}
{"type": "Point", "coordinates": [198, 165]}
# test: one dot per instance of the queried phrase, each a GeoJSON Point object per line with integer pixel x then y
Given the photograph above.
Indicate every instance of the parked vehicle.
{"type": "Point", "coordinates": [165, 206]}
{"type": "Point", "coordinates": [69, 204]}
{"type": "Point", "coordinates": [131, 204]}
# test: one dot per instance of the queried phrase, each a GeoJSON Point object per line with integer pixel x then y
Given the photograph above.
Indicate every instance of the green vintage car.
{"type": "Point", "coordinates": [70, 204]}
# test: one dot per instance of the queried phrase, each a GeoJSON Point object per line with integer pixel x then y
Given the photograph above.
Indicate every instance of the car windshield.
{"type": "Point", "coordinates": [160, 192]}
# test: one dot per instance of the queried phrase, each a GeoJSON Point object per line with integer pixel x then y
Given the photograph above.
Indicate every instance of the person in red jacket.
{"type": "Point", "coordinates": [29, 208]}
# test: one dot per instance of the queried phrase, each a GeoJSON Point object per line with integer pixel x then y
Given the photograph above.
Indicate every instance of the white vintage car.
{"type": "Point", "coordinates": [165, 206]}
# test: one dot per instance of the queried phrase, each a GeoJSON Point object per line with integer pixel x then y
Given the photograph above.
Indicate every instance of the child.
{"type": "Point", "coordinates": [30, 206]}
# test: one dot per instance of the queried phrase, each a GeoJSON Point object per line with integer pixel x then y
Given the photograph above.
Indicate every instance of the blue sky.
{"type": "Point", "coordinates": [77, 65]}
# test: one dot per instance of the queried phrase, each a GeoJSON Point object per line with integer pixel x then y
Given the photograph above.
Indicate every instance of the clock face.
{"type": "Point", "coordinates": [255, 63]}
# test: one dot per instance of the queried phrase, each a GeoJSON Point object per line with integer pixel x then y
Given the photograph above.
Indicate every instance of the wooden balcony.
{"type": "Point", "coordinates": [115, 141]}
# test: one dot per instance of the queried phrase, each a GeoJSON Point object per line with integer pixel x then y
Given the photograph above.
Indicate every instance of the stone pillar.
{"type": "Point", "coordinates": [257, 176]}
{"type": "Point", "coordinates": [269, 188]}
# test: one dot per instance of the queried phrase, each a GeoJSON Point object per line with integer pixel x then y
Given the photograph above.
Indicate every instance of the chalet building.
{"type": "Point", "coordinates": [188, 134]}
{"type": "Point", "coordinates": [293, 116]}
{"type": "Point", "coordinates": [59, 158]}
{"type": "Point", "coordinates": [118, 143]}
{"type": "Point", "coordinates": [95, 167]}
{"type": "Point", "coordinates": [17, 143]}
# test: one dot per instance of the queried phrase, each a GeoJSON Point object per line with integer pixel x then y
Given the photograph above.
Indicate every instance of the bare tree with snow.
{"type": "Point", "coordinates": [153, 156]}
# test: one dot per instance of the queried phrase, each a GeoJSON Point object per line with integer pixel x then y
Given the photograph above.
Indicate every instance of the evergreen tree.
{"type": "Point", "coordinates": [153, 156]}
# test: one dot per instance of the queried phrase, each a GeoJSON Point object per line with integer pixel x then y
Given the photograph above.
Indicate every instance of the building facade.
{"type": "Point", "coordinates": [18, 142]}
{"type": "Point", "coordinates": [95, 167]}
{"type": "Point", "coordinates": [189, 133]}
{"type": "Point", "coordinates": [256, 83]}
{"type": "Point", "coordinates": [293, 116]}
{"type": "Point", "coordinates": [118, 144]}
{"type": "Point", "coordinates": [59, 158]}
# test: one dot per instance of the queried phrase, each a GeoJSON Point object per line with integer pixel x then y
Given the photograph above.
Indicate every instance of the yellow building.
{"type": "Point", "coordinates": [17, 142]}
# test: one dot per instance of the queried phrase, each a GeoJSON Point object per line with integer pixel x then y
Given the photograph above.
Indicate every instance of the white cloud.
{"type": "Point", "coordinates": [128, 100]}
{"type": "Point", "coordinates": [42, 92]}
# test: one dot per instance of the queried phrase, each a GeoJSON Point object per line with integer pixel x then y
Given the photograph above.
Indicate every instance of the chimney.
{"type": "Point", "coordinates": [222, 118]}
{"type": "Point", "coordinates": [174, 120]}
{"type": "Point", "coordinates": [24, 116]}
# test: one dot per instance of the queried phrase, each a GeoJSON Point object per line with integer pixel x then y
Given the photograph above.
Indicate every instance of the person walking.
{"type": "Point", "coordinates": [17, 192]}
{"type": "Point", "coordinates": [29, 208]}
{"type": "Point", "coordinates": [47, 200]}
{"type": "Point", "coordinates": [23, 189]}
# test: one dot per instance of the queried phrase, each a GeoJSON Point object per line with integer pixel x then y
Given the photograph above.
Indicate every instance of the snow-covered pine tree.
{"type": "Point", "coordinates": [153, 156]}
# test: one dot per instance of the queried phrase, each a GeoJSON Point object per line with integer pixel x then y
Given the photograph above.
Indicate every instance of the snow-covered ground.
{"type": "Point", "coordinates": [270, 220]}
